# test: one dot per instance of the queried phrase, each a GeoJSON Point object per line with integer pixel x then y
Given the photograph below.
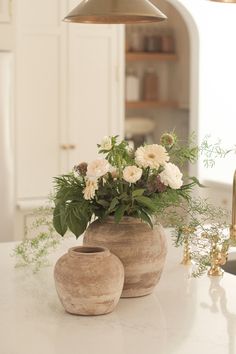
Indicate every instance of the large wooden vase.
{"type": "Point", "coordinates": [141, 249]}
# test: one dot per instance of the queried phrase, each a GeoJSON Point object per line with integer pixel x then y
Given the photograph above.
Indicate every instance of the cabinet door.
{"type": "Point", "coordinates": [5, 16]}
{"type": "Point", "coordinates": [40, 68]}
{"type": "Point", "coordinates": [67, 92]}
{"type": "Point", "coordinates": [6, 25]}
{"type": "Point", "coordinates": [96, 75]}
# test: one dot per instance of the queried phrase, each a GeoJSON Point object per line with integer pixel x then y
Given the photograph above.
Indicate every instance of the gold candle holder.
{"type": "Point", "coordinates": [219, 255]}
{"type": "Point", "coordinates": [186, 256]}
{"type": "Point", "coordinates": [233, 235]}
{"type": "Point", "coordinates": [187, 231]}
{"type": "Point", "coordinates": [233, 226]}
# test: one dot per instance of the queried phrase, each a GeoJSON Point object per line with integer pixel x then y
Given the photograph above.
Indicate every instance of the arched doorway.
{"type": "Point", "coordinates": [178, 80]}
{"type": "Point", "coordinates": [212, 88]}
{"type": "Point", "coordinates": [193, 32]}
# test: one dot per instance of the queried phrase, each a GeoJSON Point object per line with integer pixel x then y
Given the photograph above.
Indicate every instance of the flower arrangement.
{"type": "Point", "coordinates": [139, 184]}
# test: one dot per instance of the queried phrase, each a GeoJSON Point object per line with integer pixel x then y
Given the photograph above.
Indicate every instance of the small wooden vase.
{"type": "Point", "coordinates": [89, 280]}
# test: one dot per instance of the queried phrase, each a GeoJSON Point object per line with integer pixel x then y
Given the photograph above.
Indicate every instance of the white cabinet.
{"type": "Point", "coordinates": [68, 95]}
{"type": "Point", "coordinates": [6, 25]}
{"type": "Point", "coordinates": [5, 11]}
{"type": "Point", "coordinates": [68, 92]}
{"type": "Point", "coordinates": [38, 86]}
{"type": "Point", "coordinates": [95, 107]}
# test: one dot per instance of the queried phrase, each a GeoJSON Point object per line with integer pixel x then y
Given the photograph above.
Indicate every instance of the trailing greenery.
{"type": "Point", "coordinates": [185, 151]}
{"type": "Point", "coordinates": [198, 214]}
{"type": "Point", "coordinates": [35, 251]}
{"type": "Point", "coordinates": [205, 220]}
{"type": "Point", "coordinates": [211, 151]}
{"type": "Point", "coordinates": [189, 151]}
{"type": "Point", "coordinates": [207, 223]}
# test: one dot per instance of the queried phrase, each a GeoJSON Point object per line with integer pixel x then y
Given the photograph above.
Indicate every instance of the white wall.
{"type": "Point", "coordinates": [218, 81]}
{"type": "Point", "coordinates": [216, 24]}
{"type": "Point", "coordinates": [6, 149]}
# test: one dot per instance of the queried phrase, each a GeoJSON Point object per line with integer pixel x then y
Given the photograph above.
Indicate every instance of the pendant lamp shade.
{"type": "Point", "coordinates": [115, 11]}
{"type": "Point", "coordinates": [226, 1]}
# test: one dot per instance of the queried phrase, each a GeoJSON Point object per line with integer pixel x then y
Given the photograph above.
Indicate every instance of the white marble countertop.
{"type": "Point", "coordinates": [183, 316]}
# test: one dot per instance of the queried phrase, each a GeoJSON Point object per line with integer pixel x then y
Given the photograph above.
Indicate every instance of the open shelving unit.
{"type": "Point", "coordinates": [150, 57]}
{"type": "Point", "coordinates": [145, 56]}
{"type": "Point", "coordinates": [150, 104]}
{"type": "Point", "coordinates": [169, 108]}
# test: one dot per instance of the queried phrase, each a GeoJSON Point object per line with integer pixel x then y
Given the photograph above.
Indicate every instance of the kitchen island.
{"type": "Point", "coordinates": [182, 316]}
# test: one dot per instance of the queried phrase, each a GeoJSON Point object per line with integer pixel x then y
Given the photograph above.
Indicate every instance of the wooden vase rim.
{"type": "Point", "coordinates": [124, 220]}
{"type": "Point", "coordinates": [89, 251]}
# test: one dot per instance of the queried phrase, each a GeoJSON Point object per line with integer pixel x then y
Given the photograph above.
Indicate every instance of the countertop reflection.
{"type": "Point", "coordinates": [182, 316]}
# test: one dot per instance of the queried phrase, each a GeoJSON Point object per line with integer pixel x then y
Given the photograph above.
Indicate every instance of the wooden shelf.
{"type": "Point", "coordinates": [151, 104]}
{"type": "Point", "coordinates": [144, 56]}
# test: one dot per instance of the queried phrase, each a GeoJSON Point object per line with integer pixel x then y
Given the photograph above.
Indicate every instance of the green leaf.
{"type": "Point", "coordinates": [196, 181]}
{"type": "Point", "coordinates": [120, 213]}
{"type": "Point", "coordinates": [113, 204]}
{"type": "Point", "coordinates": [59, 219]}
{"type": "Point", "coordinates": [138, 193]}
{"type": "Point", "coordinates": [147, 202]}
{"type": "Point", "coordinates": [76, 225]}
{"type": "Point", "coordinates": [103, 203]}
{"type": "Point", "coordinates": [124, 196]}
{"type": "Point", "coordinates": [146, 218]}
{"type": "Point", "coordinates": [100, 213]}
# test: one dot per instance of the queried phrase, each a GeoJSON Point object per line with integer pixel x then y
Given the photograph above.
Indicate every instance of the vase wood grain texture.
{"type": "Point", "coordinates": [141, 249]}
{"type": "Point", "coordinates": [89, 280]}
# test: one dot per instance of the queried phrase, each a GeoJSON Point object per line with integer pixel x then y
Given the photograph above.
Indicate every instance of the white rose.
{"type": "Point", "coordinates": [171, 176]}
{"type": "Point", "coordinates": [132, 174]}
{"type": "Point", "coordinates": [152, 156]}
{"type": "Point", "coordinates": [90, 189]}
{"type": "Point", "coordinates": [106, 143]}
{"type": "Point", "coordinates": [98, 168]}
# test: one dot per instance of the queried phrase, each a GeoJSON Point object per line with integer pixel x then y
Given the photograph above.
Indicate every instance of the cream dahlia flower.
{"type": "Point", "coordinates": [90, 189]}
{"type": "Point", "coordinates": [171, 176]}
{"type": "Point", "coordinates": [132, 174]}
{"type": "Point", "coordinates": [106, 143]}
{"type": "Point", "coordinates": [98, 168]}
{"type": "Point", "coordinates": [152, 156]}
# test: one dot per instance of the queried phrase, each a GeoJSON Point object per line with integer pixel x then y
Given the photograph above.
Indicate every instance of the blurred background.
{"type": "Point", "coordinates": [63, 87]}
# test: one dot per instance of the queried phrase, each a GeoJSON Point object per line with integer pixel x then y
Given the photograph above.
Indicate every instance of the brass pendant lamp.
{"type": "Point", "coordinates": [226, 1]}
{"type": "Point", "coordinates": [115, 11]}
